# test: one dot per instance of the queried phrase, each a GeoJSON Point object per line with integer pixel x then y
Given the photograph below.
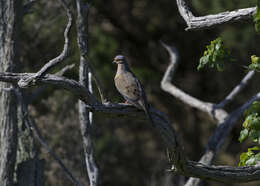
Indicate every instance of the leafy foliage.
{"type": "Point", "coordinates": [255, 63]}
{"type": "Point", "coordinates": [257, 18]}
{"type": "Point", "coordinates": [251, 130]}
{"type": "Point", "coordinates": [249, 158]}
{"type": "Point", "coordinates": [215, 55]}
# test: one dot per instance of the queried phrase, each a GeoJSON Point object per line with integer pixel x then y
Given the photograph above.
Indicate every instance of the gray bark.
{"type": "Point", "coordinates": [85, 116]}
{"type": "Point", "coordinates": [29, 169]}
{"type": "Point", "coordinates": [208, 21]}
{"type": "Point", "coordinates": [10, 11]}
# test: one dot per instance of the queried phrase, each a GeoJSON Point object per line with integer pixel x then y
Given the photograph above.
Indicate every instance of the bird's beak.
{"type": "Point", "coordinates": [113, 62]}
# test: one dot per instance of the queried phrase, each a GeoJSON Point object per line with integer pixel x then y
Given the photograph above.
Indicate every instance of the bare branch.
{"type": "Point", "coordinates": [218, 114]}
{"type": "Point", "coordinates": [85, 78]}
{"type": "Point", "coordinates": [236, 90]}
{"type": "Point", "coordinates": [83, 45]}
{"type": "Point", "coordinates": [31, 97]}
{"type": "Point", "coordinates": [32, 126]}
{"type": "Point", "coordinates": [23, 83]}
{"type": "Point", "coordinates": [64, 70]}
{"type": "Point", "coordinates": [61, 82]}
{"type": "Point", "coordinates": [86, 125]}
{"type": "Point", "coordinates": [209, 21]}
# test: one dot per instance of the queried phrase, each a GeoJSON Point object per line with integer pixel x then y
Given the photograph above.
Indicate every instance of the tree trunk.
{"type": "Point", "coordinates": [10, 11]}
{"type": "Point", "coordinates": [29, 169]}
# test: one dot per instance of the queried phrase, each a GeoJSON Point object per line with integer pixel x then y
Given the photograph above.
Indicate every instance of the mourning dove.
{"type": "Point", "coordinates": [130, 87]}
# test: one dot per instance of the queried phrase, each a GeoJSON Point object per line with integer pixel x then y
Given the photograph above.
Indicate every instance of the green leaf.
{"type": "Point", "coordinates": [243, 159]}
{"type": "Point", "coordinates": [249, 158]}
{"type": "Point", "coordinates": [243, 135]}
{"type": "Point", "coordinates": [253, 148]}
{"type": "Point", "coordinates": [257, 157]}
{"type": "Point", "coordinates": [252, 121]}
{"type": "Point", "coordinates": [255, 62]}
{"type": "Point", "coordinates": [255, 123]}
{"type": "Point", "coordinates": [257, 18]}
{"type": "Point", "coordinates": [254, 135]}
{"type": "Point", "coordinates": [255, 108]}
{"type": "Point", "coordinates": [255, 59]}
{"type": "Point", "coordinates": [251, 161]}
{"type": "Point", "coordinates": [215, 55]}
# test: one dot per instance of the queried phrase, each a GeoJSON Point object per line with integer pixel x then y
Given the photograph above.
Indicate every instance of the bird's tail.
{"type": "Point", "coordinates": [148, 114]}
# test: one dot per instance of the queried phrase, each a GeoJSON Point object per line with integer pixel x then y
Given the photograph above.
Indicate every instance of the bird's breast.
{"type": "Point", "coordinates": [127, 85]}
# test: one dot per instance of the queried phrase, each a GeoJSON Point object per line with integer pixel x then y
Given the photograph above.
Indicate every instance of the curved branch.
{"type": "Point", "coordinates": [218, 114]}
{"type": "Point", "coordinates": [24, 83]}
{"type": "Point", "coordinates": [208, 21]}
{"type": "Point", "coordinates": [68, 84]}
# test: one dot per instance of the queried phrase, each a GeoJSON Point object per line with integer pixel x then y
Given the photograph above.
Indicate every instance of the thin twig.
{"type": "Point", "coordinates": [64, 70]}
{"type": "Point", "coordinates": [23, 83]}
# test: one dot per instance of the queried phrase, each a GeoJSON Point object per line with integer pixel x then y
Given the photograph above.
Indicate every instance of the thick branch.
{"type": "Point", "coordinates": [23, 83]}
{"type": "Point", "coordinates": [166, 85]}
{"type": "Point", "coordinates": [212, 20]}
{"type": "Point", "coordinates": [35, 95]}
{"type": "Point", "coordinates": [60, 82]}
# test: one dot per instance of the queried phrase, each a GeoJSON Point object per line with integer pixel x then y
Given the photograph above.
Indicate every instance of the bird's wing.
{"type": "Point", "coordinates": [128, 85]}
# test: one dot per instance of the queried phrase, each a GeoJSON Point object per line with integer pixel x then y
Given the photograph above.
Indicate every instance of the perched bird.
{"type": "Point", "coordinates": [129, 86]}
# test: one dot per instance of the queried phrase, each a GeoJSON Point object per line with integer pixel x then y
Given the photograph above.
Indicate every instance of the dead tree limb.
{"type": "Point", "coordinates": [205, 22]}
{"type": "Point", "coordinates": [85, 79]}
{"type": "Point", "coordinates": [23, 83]}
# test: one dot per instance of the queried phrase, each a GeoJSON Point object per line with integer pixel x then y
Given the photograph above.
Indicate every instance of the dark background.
{"type": "Point", "coordinates": [128, 152]}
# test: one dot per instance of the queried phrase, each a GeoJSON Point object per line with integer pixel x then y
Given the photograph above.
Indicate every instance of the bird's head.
{"type": "Point", "coordinates": [119, 59]}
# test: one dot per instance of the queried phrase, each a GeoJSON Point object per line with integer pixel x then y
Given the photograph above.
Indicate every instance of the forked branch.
{"type": "Point", "coordinates": [29, 81]}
